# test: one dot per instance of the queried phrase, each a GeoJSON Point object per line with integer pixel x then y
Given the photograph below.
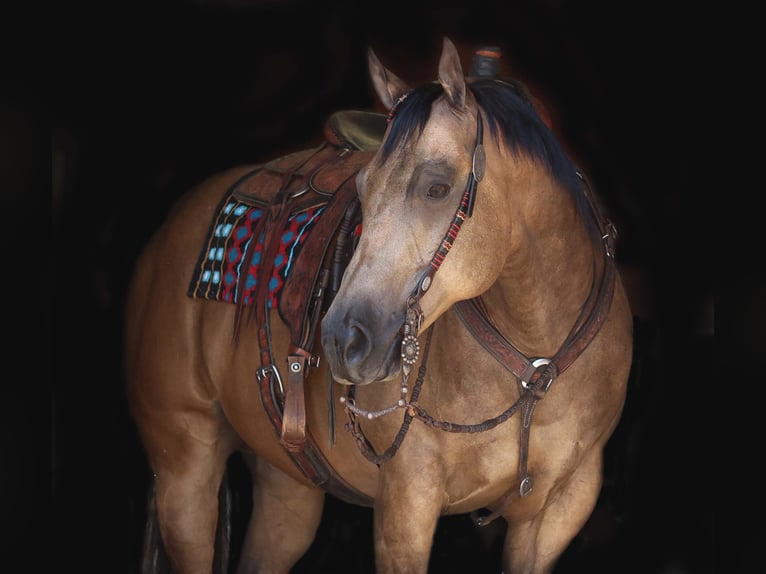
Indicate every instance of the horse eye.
{"type": "Point", "coordinates": [438, 191]}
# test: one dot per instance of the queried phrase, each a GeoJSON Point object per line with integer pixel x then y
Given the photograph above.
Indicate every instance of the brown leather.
{"type": "Point", "coordinates": [294, 413]}
{"type": "Point", "coordinates": [310, 460]}
{"type": "Point", "coordinates": [323, 176]}
{"type": "Point", "coordinates": [538, 379]}
{"type": "Point", "coordinates": [291, 197]}
{"type": "Point", "coordinates": [297, 290]}
{"type": "Point", "coordinates": [328, 178]}
{"type": "Point", "coordinates": [298, 294]}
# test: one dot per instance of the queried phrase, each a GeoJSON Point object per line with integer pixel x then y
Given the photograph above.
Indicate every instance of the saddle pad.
{"type": "Point", "coordinates": [220, 265]}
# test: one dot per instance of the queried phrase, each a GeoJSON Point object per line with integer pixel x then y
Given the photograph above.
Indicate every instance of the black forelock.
{"type": "Point", "coordinates": [409, 115]}
{"type": "Point", "coordinates": [511, 117]}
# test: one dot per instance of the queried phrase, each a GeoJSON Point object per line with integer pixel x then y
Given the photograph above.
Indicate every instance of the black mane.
{"type": "Point", "coordinates": [510, 115]}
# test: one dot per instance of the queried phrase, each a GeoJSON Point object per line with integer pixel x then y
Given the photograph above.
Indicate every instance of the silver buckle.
{"type": "Point", "coordinates": [537, 363]}
{"type": "Point", "coordinates": [264, 371]}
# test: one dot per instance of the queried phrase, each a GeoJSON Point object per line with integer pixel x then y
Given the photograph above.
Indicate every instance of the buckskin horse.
{"type": "Point", "coordinates": [422, 315]}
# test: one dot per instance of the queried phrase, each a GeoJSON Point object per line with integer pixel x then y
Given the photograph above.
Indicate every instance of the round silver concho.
{"type": "Point", "coordinates": [410, 350]}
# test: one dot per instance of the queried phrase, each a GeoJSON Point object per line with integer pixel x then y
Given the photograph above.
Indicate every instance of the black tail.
{"type": "Point", "coordinates": [223, 531]}
{"type": "Point", "coordinates": [154, 559]}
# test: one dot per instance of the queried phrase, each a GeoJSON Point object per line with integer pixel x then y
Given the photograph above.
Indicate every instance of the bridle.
{"type": "Point", "coordinates": [410, 347]}
{"type": "Point", "coordinates": [535, 375]}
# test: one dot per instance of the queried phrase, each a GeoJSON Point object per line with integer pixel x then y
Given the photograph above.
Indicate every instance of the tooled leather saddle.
{"type": "Point", "coordinates": [298, 218]}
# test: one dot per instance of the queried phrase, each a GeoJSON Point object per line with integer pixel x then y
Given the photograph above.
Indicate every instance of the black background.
{"type": "Point", "coordinates": [133, 103]}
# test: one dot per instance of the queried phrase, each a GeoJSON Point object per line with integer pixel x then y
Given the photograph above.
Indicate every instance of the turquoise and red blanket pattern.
{"type": "Point", "coordinates": [221, 261]}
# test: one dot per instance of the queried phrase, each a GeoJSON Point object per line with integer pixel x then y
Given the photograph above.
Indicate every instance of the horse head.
{"type": "Point", "coordinates": [433, 197]}
{"type": "Point", "coordinates": [409, 193]}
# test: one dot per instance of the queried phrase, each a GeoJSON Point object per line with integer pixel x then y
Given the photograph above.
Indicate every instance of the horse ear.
{"type": "Point", "coordinates": [387, 85]}
{"type": "Point", "coordinates": [451, 74]}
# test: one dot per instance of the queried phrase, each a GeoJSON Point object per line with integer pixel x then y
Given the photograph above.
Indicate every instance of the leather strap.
{"type": "Point", "coordinates": [536, 376]}
{"type": "Point", "coordinates": [293, 436]}
{"type": "Point", "coordinates": [284, 400]}
{"type": "Point", "coordinates": [471, 312]}
{"type": "Point", "coordinates": [271, 226]}
{"type": "Point", "coordinates": [301, 312]}
{"type": "Point", "coordinates": [309, 460]}
{"type": "Point", "coordinates": [296, 293]}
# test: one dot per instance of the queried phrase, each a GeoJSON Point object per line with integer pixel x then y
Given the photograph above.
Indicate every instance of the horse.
{"type": "Point", "coordinates": [421, 315]}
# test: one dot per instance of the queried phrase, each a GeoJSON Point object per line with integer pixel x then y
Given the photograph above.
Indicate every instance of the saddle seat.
{"type": "Point", "coordinates": [356, 129]}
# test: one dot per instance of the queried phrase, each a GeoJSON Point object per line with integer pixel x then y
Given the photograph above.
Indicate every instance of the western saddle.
{"type": "Point", "coordinates": [307, 179]}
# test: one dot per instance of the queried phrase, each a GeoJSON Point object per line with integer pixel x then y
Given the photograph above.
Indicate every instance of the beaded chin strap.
{"type": "Point", "coordinates": [410, 348]}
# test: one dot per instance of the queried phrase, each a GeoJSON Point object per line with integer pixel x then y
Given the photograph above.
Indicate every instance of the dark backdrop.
{"type": "Point", "coordinates": [144, 99]}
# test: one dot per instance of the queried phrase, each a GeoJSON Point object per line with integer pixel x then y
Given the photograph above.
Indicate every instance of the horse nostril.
{"type": "Point", "coordinates": [358, 345]}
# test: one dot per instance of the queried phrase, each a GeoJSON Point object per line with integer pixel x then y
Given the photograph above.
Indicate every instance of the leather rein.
{"type": "Point", "coordinates": [535, 375]}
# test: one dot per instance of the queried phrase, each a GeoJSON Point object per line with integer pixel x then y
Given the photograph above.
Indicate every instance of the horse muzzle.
{"type": "Point", "coordinates": [358, 353]}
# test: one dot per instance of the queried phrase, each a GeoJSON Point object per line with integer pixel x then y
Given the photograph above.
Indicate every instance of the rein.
{"type": "Point", "coordinates": [535, 375]}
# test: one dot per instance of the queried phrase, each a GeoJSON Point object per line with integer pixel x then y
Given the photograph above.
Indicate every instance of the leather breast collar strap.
{"type": "Point", "coordinates": [536, 375]}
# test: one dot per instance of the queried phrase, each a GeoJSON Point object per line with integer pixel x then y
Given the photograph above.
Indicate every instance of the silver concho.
{"type": "Point", "coordinates": [479, 162]}
{"type": "Point", "coordinates": [410, 350]}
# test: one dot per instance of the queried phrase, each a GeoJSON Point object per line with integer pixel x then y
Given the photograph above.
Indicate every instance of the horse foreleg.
{"type": "Point", "coordinates": [283, 523]}
{"type": "Point", "coordinates": [533, 545]}
{"type": "Point", "coordinates": [406, 514]}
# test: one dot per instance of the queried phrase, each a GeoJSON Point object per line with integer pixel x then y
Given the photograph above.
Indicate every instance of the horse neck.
{"type": "Point", "coordinates": [549, 271]}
